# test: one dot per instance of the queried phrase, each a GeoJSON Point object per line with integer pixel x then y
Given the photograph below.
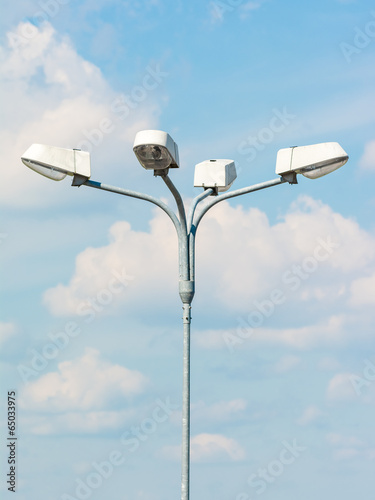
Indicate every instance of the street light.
{"type": "Point", "coordinates": [157, 151]}
{"type": "Point", "coordinates": [57, 163]}
{"type": "Point", "coordinates": [216, 174]}
{"type": "Point", "coordinates": [311, 161]}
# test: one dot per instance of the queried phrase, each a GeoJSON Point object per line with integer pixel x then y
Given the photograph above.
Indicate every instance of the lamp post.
{"type": "Point", "coordinates": [157, 151]}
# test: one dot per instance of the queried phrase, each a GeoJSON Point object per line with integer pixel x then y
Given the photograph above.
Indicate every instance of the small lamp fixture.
{"type": "Point", "coordinates": [216, 174]}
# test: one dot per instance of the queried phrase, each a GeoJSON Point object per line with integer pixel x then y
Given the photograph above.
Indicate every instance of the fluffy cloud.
{"type": "Point", "coordinates": [340, 388]}
{"type": "Point", "coordinates": [84, 384]}
{"type": "Point", "coordinates": [55, 96]}
{"type": "Point", "coordinates": [363, 292]}
{"type": "Point", "coordinates": [209, 448]}
{"type": "Point", "coordinates": [146, 261]}
{"type": "Point", "coordinates": [310, 256]}
{"type": "Point", "coordinates": [329, 332]}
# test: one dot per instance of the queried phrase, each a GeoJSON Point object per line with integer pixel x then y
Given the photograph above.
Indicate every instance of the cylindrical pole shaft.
{"type": "Point", "coordinates": [186, 404]}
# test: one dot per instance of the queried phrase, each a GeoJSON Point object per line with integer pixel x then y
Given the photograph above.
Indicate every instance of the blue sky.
{"type": "Point", "coordinates": [283, 360]}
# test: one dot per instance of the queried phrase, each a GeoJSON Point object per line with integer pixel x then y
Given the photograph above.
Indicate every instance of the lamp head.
{"type": "Point", "coordinates": [57, 163]}
{"type": "Point", "coordinates": [216, 174]}
{"type": "Point", "coordinates": [156, 150]}
{"type": "Point", "coordinates": [311, 161]}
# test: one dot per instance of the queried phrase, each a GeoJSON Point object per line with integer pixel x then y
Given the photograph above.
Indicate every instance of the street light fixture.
{"type": "Point", "coordinates": [57, 163]}
{"type": "Point", "coordinates": [157, 151]}
{"type": "Point", "coordinates": [311, 161]}
{"type": "Point", "coordinates": [216, 174]}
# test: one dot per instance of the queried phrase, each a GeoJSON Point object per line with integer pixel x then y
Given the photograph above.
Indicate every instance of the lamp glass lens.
{"type": "Point", "coordinates": [50, 172]}
{"type": "Point", "coordinates": [152, 156]}
{"type": "Point", "coordinates": [316, 171]}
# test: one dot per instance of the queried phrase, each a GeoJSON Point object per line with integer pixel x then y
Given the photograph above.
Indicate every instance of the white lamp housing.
{"type": "Point", "coordinates": [217, 174]}
{"type": "Point", "coordinates": [156, 150]}
{"type": "Point", "coordinates": [57, 163]}
{"type": "Point", "coordinates": [311, 161]}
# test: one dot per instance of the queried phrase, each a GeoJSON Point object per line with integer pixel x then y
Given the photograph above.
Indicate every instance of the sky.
{"type": "Point", "coordinates": [282, 355]}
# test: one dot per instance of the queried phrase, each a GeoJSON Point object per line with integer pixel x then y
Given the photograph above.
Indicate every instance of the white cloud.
{"type": "Point", "coordinates": [335, 439]}
{"type": "Point", "coordinates": [248, 7]}
{"type": "Point", "coordinates": [209, 448]}
{"type": "Point", "coordinates": [311, 239]}
{"type": "Point", "coordinates": [86, 422]}
{"type": "Point", "coordinates": [150, 259]}
{"type": "Point", "coordinates": [55, 96]}
{"type": "Point", "coordinates": [329, 364]}
{"type": "Point", "coordinates": [287, 363]}
{"type": "Point", "coordinates": [7, 331]}
{"type": "Point", "coordinates": [221, 411]}
{"type": "Point", "coordinates": [310, 414]}
{"type": "Point", "coordinates": [363, 292]}
{"type": "Point", "coordinates": [340, 388]}
{"type": "Point", "coordinates": [329, 332]}
{"type": "Point", "coordinates": [311, 236]}
{"type": "Point", "coordinates": [348, 447]}
{"type": "Point", "coordinates": [367, 162]}
{"type": "Point", "coordinates": [84, 384]}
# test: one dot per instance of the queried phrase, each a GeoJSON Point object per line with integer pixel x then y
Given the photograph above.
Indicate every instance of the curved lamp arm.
{"type": "Point", "coordinates": [180, 205]}
{"type": "Point", "coordinates": [183, 238]}
{"type": "Point", "coordinates": [237, 192]}
{"type": "Point", "coordinates": [193, 206]}
{"type": "Point", "coordinates": [135, 194]}
{"type": "Point", "coordinates": [151, 199]}
{"type": "Point", "coordinates": [194, 225]}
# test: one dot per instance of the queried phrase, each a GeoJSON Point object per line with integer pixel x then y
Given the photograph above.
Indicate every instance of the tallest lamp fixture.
{"type": "Point", "coordinates": [156, 150]}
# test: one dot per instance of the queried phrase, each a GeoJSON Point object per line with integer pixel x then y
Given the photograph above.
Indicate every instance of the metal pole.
{"type": "Point", "coordinates": [185, 458]}
{"type": "Point", "coordinates": [186, 230]}
{"type": "Point", "coordinates": [186, 290]}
